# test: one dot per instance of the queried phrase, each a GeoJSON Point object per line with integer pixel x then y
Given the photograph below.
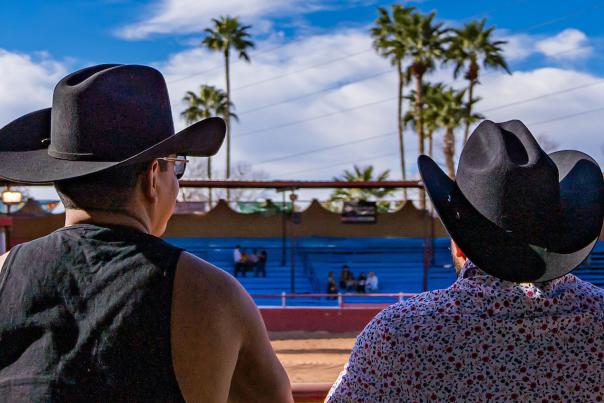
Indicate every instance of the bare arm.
{"type": "Point", "coordinates": [259, 376]}
{"type": "Point", "coordinates": [220, 348]}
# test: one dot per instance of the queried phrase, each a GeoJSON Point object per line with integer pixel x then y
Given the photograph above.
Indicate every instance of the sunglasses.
{"type": "Point", "coordinates": [180, 163]}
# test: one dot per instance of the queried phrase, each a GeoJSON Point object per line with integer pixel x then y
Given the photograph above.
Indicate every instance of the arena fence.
{"type": "Point", "coordinates": [339, 300]}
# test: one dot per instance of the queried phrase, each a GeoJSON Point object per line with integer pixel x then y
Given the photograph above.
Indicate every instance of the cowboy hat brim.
{"type": "Point", "coordinates": [510, 256]}
{"type": "Point", "coordinates": [19, 145]}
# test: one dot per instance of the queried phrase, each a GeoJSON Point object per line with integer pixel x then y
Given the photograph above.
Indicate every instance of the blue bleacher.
{"type": "Point", "coordinates": [398, 263]}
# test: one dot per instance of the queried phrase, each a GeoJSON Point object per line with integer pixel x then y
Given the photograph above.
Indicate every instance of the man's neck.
{"type": "Point", "coordinates": [73, 217]}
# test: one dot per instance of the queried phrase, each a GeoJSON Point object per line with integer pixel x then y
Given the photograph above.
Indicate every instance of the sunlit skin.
{"type": "Point", "coordinates": [149, 210]}
{"type": "Point", "coordinates": [459, 258]}
{"type": "Point", "coordinates": [220, 347]}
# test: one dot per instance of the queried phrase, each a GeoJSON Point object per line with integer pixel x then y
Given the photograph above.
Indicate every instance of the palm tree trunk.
{"type": "Point", "coordinates": [472, 76]}
{"type": "Point", "coordinates": [227, 119]}
{"type": "Point", "coordinates": [400, 122]}
{"type": "Point", "coordinates": [469, 111]}
{"type": "Point", "coordinates": [449, 151]}
{"type": "Point", "coordinates": [209, 177]}
{"type": "Point", "coordinates": [419, 128]}
{"type": "Point", "coordinates": [430, 144]}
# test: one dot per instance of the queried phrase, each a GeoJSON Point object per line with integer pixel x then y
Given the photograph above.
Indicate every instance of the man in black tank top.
{"type": "Point", "coordinates": [103, 310]}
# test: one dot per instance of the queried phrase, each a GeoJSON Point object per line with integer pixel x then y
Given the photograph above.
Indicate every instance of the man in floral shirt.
{"type": "Point", "coordinates": [515, 326]}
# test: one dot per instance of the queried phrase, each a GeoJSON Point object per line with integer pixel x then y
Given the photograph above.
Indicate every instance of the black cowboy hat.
{"type": "Point", "coordinates": [516, 212]}
{"type": "Point", "coordinates": [101, 117]}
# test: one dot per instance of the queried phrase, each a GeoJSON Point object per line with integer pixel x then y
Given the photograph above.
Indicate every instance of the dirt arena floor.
{"type": "Point", "coordinates": [312, 357]}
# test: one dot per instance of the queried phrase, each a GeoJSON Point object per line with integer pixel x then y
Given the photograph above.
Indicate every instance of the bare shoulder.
{"type": "Point", "coordinates": [218, 336]}
{"type": "Point", "coordinates": [205, 336]}
{"type": "Point", "coordinates": [195, 275]}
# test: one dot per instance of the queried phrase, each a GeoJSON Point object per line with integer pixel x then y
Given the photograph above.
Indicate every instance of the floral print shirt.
{"type": "Point", "coordinates": [482, 339]}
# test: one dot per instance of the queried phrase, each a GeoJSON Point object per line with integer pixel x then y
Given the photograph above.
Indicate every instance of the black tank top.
{"type": "Point", "coordinates": [85, 317]}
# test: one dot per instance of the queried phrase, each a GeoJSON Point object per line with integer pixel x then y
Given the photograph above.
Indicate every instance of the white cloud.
{"type": "Point", "coordinates": [518, 46]}
{"type": "Point", "coordinates": [26, 83]}
{"type": "Point", "coordinates": [543, 115]}
{"type": "Point", "coordinates": [186, 16]}
{"type": "Point", "coordinates": [497, 89]}
{"type": "Point", "coordinates": [568, 44]}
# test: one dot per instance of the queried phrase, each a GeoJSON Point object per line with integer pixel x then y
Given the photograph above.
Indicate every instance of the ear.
{"type": "Point", "coordinates": [149, 181]}
{"type": "Point", "coordinates": [457, 251]}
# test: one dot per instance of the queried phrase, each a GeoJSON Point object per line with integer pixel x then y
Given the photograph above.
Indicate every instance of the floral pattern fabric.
{"type": "Point", "coordinates": [482, 339]}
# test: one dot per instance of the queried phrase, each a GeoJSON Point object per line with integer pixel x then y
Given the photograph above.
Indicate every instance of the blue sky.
{"type": "Point", "coordinates": [86, 31]}
{"type": "Point", "coordinates": [305, 47]}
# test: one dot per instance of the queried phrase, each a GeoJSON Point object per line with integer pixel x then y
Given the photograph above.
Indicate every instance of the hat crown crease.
{"type": "Point", "coordinates": [510, 180]}
{"type": "Point", "coordinates": [99, 107]}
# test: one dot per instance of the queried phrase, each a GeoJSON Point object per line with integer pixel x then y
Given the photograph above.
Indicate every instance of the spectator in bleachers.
{"type": "Point", "coordinates": [515, 325]}
{"type": "Point", "coordinates": [253, 261]}
{"type": "Point", "coordinates": [238, 263]}
{"type": "Point", "coordinates": [245, 262]}
{"type": "Point", "coordinates": [332, 287]}
{"type": "Point", "coordinates": [372, 283]}
{"type": "Point", "coordinates": [260, 268]}
{"type": "Point", "coordinates": [351, 282]}
{"type": "Point", "coordinates": [361, 282]}
{"type": "Point", "coordinates": [344, 275]}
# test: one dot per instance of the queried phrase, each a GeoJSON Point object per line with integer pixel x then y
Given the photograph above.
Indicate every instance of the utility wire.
{"type": "Point", "coordinates": [363, 139]}
{"type": "Point", "coordinates": [295, 122]}
{"type": "Point", "coordinates": [315, 117]}
{"type": "Point", "coordinates": [537, 123]}
{"type": "Point", "coordinates": [549, 94]}
{"type": "Point", "coordinates": [531, 27]}
{"type": "Point", "coordinates": [232, 63]}
{"type": "Point", "coordinates": [328, 89]}
{"type": "Point", "coordinates": [314, 66]}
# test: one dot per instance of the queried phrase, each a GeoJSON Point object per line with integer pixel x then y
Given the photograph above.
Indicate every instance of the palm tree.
{"type": "Point", "coordinates": [471, 46]}
{"type": "Point", "coordinates": [210, 101]}
{"type": "Point", "coordinates": [388, 40]}
{"type": "Point", "coordinates": [425, 43]}
{"type": "Point", "coordinates": [451, 113]}
{"type": "Point", "coordinates": [430, 96]}
{"type": "Point", "coordinates": [362, 174]}
{"type": "Point", "coordinates": [228, 33]}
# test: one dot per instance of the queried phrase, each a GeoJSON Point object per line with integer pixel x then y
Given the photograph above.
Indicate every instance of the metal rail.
{"type": "Point", "coordinates": [340, 297]}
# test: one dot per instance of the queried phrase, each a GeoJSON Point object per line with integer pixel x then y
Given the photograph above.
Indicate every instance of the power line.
{"type": "Point", "coordinates": [531, 27]}
{"type": "Point", "coordinates": [572, 115]}
{"type": "Point", "coordinates": [314, 117]}
{"type": "Point", "coordinates": [232, 63]}
{"type": "Point", "coordinates": [335, 87]}
{"type": "Point", "coordinates": [338, 86]}
{"type": "Point", "coordinates": [363, 139]}
{"type": "Point", "coordinates": [295, 122]}
{"type": "Point", "coordinates": [549, 94]}
{"type": "Point", "coordinates": [301, 70]}
{"type": "Point", "coordinates": [341, 163]}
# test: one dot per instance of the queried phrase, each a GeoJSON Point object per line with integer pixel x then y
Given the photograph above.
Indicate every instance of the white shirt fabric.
{"type": "Point", "coordinates": [371, 284]}
{"type": "Point", "coordinates": [237, 256]}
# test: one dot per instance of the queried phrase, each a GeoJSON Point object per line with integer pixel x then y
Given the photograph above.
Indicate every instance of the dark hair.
{"type": "Point", "coordinates": [108, 190]}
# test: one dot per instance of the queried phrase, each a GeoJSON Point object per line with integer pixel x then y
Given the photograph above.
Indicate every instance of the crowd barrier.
{"type": "Point", "coordinates": [339, 300]}
{"type": "Point", "coordinates": [342, 317]}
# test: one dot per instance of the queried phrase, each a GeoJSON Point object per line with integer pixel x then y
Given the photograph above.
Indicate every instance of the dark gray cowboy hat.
{"type": "Point", "coordinates": [516, 212]}
{"type": "Point", "coordinates": [101, 117]}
